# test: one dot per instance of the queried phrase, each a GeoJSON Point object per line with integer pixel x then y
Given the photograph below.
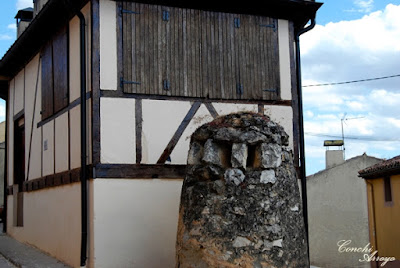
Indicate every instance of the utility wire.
{"type": "Point", "coordinates": [354, 81]}
{"type": "Point", "coordinates": [365, 138]}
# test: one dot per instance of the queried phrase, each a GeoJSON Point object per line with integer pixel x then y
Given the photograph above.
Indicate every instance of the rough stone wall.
{"type": "Point", "coordinates": [240, 204]}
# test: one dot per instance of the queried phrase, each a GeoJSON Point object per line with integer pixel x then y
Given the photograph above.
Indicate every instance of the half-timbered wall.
{"type": "Point", "coordinates": [185, 52]}
{"type": "Point", "coordinates": [50, 188]}
{"type": "Point", "coordinates": [162, 75]}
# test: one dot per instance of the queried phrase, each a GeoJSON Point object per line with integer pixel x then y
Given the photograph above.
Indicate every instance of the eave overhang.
{"type": "Point", "coordinates": [385, 168]}
{"type": "Point", "coordinates": [298, 11]}
{"type": "Point", "coordinates": [54, 15]}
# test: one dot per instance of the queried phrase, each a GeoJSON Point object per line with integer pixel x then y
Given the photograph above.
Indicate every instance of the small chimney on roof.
{"type": "Point", "coordinates": [23, 17]}
{"type": "Point", "coordinates": [333, 157]}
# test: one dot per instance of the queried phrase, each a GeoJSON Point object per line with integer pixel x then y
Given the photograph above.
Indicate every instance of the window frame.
{"type": "Point", "coordinates": [55, 74]}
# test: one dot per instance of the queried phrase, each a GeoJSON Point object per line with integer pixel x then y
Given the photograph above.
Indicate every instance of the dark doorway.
{"type": "Point", "coordinates": [19, 168]}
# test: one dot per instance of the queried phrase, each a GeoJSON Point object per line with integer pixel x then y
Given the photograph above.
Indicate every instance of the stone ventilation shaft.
{"type": "Point", "coordinates": [240, 203]}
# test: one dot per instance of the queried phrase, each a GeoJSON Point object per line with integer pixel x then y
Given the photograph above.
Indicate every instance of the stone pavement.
{"type": "Point", "coordinates": [16, 254]}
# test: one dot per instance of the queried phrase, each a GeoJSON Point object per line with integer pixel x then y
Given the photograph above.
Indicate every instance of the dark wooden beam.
{"type": "Point", "coordinates": [178, 133]}
{"type": "Point", "coordinates": [135, 171]}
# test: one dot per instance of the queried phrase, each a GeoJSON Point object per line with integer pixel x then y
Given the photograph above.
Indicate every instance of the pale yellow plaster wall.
{"type": "Point", "coordinates": [108, 45]}
{"type": "Point", "coordinates": [135, 222]}
{"type": "Point", "coordinates": [117, 130]}
{"type": "Point", "coordinates": [10, 136]}
{"type": "Point", "coordinates": [19, 92]}
{"type": "Point", "coordinates": [282, 115]}
{"type": "Point", "coordinates": [48, 154]}
{"type": "Point", "coordinates": [75, 138]}
{"type": "Point", "coordinates": [284, 59]}
{"type": "Point", "coordinates": [61, 143]}
{"type": "Point", "coordinates": [51, 222]}
{"type": "Point", "coordinates": [160, 121]}
{"type": "Point", "coordinates": [32, 88]}
{"type": "Point", "coordinates": [179, 154]}
{"type": "Point", "coordinates": [162, 118]}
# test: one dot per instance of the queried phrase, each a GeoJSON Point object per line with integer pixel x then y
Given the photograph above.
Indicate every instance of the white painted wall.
{"type": "Point", "coordinates": [283, 115]}
{"type": "Point", "coordinates": [161, 119]}
{"type": "Point", "coordinates": [19, 92]}
{"type": "Point", "coordinates": [284, 60]}
{"type": "Point", "coordinates": [108, 45]}
{"type": "Point", "coordinates": [31, 78]}
{"type": "Point", "coordinates": [117, 131]}
{"type": "Point", "coordinates": [135, 222]}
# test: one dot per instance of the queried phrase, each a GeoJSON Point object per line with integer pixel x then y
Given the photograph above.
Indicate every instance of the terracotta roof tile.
{"type": "Point", "coordinates": [390, 165]}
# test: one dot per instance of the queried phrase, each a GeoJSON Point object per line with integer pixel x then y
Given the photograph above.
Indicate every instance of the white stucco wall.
{"type": "Point", "coordinates": [108, 45]}
{"type": "Point", "coordinates": [161, 119]}
{"type": "Point", "coordinates": [31, 76]}
{"type": "Point", "coordinates": [117, 131]}
{"type": "Point", "coordinates": [337, 209]}
{"type": "Point", "coordinates": [135, 222]}
{"type": "Point", "coordinates": [284, 60]}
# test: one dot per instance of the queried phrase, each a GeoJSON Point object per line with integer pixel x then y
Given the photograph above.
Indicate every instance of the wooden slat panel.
{"type": "Point", "coordinates": [200, 53]}
{"type": "Point", "coordinates": [47, 81]}
{"type": "Point", "coordinates": [60, 69]}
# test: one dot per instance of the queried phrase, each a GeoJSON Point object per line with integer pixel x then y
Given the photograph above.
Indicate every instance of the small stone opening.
{"type": "Point", "coordinates": [251, 157]}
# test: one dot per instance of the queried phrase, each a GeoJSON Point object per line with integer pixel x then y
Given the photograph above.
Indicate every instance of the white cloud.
{"type": "Point", "coordinates": [21, 4]}
{"type": "Point", "coordinates": [12, 26]}
{"type": "Point", "coordinates": [5, 37]}
{"type": "Point", "coordinates": [364, 5]}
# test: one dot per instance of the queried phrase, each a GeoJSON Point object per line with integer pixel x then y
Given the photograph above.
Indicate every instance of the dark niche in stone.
{"type": "Point", "coordinates": [240, 203]}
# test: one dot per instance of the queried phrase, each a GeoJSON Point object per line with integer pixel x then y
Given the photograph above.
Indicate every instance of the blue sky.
{"type": "Point", "coordinates": [353, 39]}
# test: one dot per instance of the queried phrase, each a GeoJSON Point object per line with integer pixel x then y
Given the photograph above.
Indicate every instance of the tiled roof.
{"type": "Point", "coordinates": [387, 167]}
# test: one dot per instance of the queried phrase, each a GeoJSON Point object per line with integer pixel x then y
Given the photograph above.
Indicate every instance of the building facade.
{"type": "Point", "coordinates": [102, 98]}
{"type": "Point", "coordinates": [337, 211]}
{"type": "Point", "coordinates": [383, 190]}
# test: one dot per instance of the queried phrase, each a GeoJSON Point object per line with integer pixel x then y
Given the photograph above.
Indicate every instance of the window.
{"type": "Point", "coordinates": [388, 189]}
{"type": "Point", "coordinates": [55, 74]}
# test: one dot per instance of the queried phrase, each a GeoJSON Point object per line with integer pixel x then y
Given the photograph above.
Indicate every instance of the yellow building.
{"type": "Point", "coordinates": [383, 190]}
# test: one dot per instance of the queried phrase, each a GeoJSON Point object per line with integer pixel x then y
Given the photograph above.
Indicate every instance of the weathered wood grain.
{"type": "Point", "coordinates": [199, 53]}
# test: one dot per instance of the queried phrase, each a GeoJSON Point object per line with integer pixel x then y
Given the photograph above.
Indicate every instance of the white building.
{"type": "Point", "coordinates": [107, 193]}
{"type": "Point", "coordinates": [338, 211]}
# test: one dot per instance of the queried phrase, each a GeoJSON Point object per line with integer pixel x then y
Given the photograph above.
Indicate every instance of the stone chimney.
{"type": "Point", "coordinates": [23, 17]}
{"type": "Point", "coordinates": [333, 158]}
{"type": "Point", "coordinates": [240, 202]}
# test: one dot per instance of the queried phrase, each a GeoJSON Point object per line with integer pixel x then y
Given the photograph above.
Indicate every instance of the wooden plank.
{"type": "Point", "coordinates": [262, 66]}
{"type": "Point", "coordinates": [128, 57]}
{"type": "Point", "coordinates": [212, 63]}
{"type": "Point", "coordinates": [231, 56]}
{"type": "Point", "coordinates": [267, 62]}
{"type": "Point", "coordinates": [211, 109]}
{"type": "Point", "coordinates": [131, 171]}
{"type": "Point", "coordinates": [168, 51]}
{"type": "Point", "coordinates": [237, 45]}
{"type": "Point", "coordinates": [154, 29]}
{"type": "Point", "coordinates": [138, 134]}
{"type": "Point", "coordinates": [174, 14]}
{"type": "Point", "coordinates": [204, 54]}
{"type": "Point", "coordinates": [188, 24]}
{"type": "Point", "coordinates": [254, 87]}
{"type": "Point", "coordinates": [196, 65]}
{"type": "Point", "coordinates": [276, 62]}
{"type": "Point", "coordinates": [220, 75]}
{"type": "Point", "coordinates": [186, 17]}
{"type": "Point", "coordinates": [160, 51]}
